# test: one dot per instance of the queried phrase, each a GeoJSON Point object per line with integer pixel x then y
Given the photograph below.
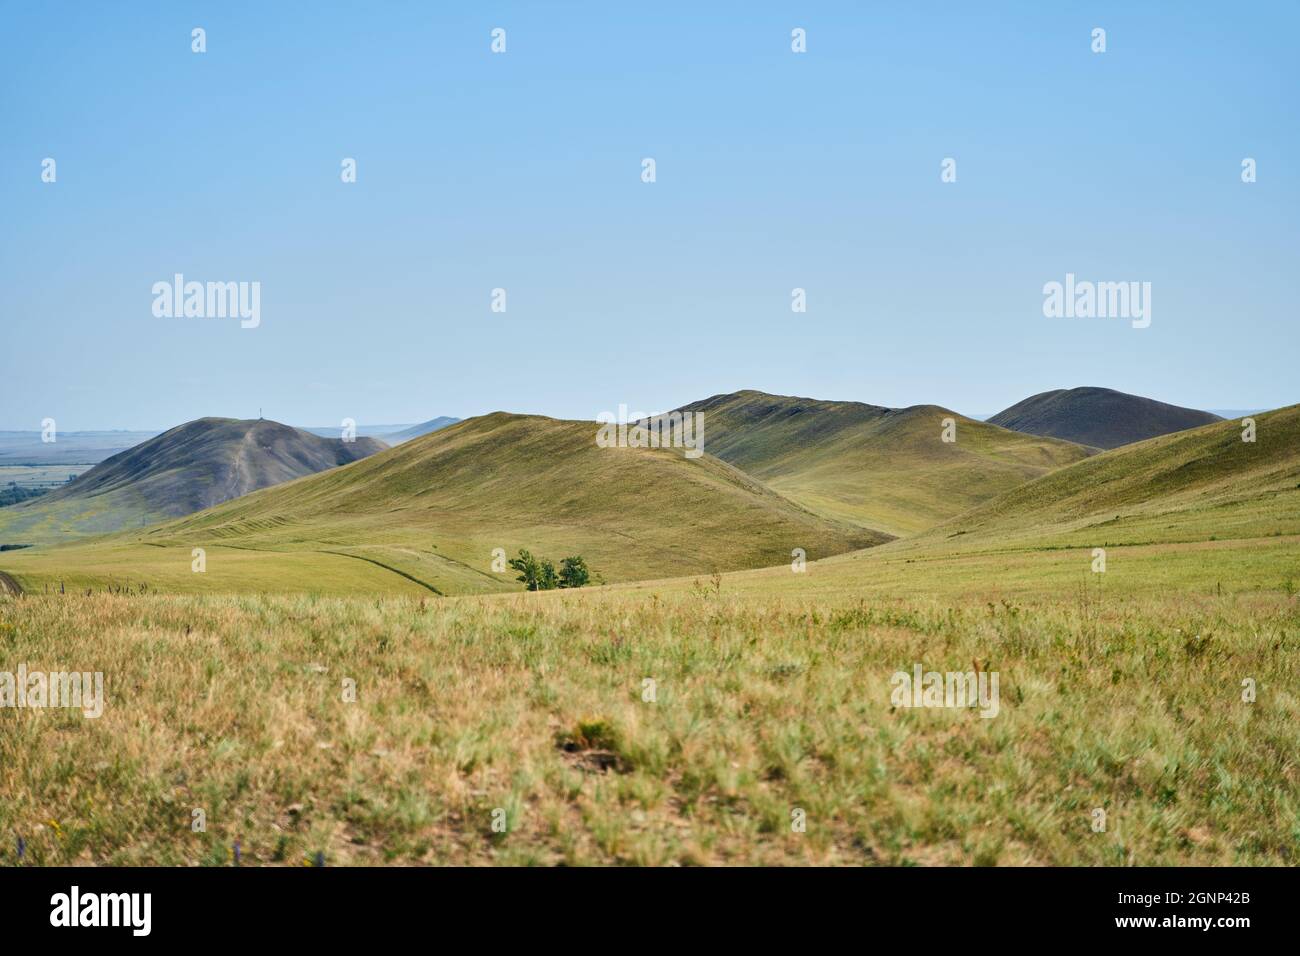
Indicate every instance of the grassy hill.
{"type": "Point", "coordinates": [1184, 513]}
{"type": "Point", "coordinates": [1197, 485]}
{"type": "Point", "coordinates": [882, 468]}
{"type": "Point", "coordinates": [1100, 417]}
{"type": "Point", "coordinates": [188, 468]}
{"type": "Point", "coordinates": [429, 513]}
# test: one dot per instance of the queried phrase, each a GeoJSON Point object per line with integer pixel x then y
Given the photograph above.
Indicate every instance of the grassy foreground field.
{"type": "Point", "coordinates": [1121, 691]}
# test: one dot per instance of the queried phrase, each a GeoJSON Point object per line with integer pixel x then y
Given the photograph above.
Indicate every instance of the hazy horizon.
{"type": "Point", "coordinates": [370, 426]}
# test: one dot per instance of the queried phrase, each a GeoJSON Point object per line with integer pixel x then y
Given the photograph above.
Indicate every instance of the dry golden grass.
{"type": "Point", "coordinates": [766, 703]}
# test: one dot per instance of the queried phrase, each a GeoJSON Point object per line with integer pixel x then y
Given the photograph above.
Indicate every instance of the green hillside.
{"type": "Point", "coordinates": [1189, 513]}
{"type": "Point", "coordinates": [1197, 485]}
{"type": "Point", "coordinates": [881, 468]}
{"type": "Point", "coordinates": [429, 513]}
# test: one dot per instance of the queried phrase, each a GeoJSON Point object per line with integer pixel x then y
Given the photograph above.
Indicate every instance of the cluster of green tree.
{"type": "Point", "coordinates": [539, 574]}
{"type": "Point", "coordinates": [13, 494]}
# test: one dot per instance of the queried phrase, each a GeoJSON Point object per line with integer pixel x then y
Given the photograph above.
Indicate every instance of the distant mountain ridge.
{"type": "Point", "coordinates": [368, 431]}
{"type": "Point", "coordinates": [415, 431]}
{"type": "Point", "coordinates": [1099, 417]}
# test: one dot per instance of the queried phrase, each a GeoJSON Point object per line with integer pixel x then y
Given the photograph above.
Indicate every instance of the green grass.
{"type": "Point", "coordinates": [772, 694]}
{"type": "Point", "coordinates": [115, 564]}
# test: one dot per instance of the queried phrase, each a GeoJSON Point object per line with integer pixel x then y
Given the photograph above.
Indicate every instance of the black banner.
{"type": "Point", "coordinates": [294, 904]}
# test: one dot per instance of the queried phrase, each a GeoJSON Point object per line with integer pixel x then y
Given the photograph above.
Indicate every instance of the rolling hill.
{"type": "Point", "coordinates": [1203, 484]}
{"type": "Point", "coordinates": [191, 467]}
{"type": "Point", "coordinates": [1183, 514]}
{"type": "Point", "coordinates": [429, 513]}
{"type": "Point", "coordinates": [1100, 417]}
{"type": "Point", "coordinates": [882, 468]}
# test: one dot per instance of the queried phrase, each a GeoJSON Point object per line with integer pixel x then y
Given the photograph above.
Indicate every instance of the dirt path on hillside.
{"type": "Point", "coordinates": [387, 567]}
{"type": "Point", "coordinates": [238, 467]}
{"type": "Point", "coordinates": [9, 586]}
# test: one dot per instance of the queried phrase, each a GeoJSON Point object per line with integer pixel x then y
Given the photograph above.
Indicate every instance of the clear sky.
{"type": "Point", "coordinates": [522, 170]}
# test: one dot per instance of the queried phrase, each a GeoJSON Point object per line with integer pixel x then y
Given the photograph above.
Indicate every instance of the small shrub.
{"type": "Point", "coordinates": [539, 574]}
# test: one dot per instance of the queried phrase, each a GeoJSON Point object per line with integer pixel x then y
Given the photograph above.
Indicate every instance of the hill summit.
{"type": "Point", "coordinates": [1100, 417]}
{"type": "Point", "coordinates": [186, 469]}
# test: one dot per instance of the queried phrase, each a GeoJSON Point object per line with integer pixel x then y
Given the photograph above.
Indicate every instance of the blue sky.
{"type": "Point", "coordinates": [522, 170]}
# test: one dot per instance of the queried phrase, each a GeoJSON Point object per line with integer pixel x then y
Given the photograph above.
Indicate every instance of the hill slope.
{"type": "Point", "coordinates": [191, 467]}
{"type": "Point", "coordinates": [1186, 517]}
{"type": "Point", "coordinates": [1197, 485]}
{"type": "Point", "coordinates": [881, 468]}
{"type": "Point", "coordinates": [1100, 417]}
{"type": "Point", "coordinates": [431, 511]}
